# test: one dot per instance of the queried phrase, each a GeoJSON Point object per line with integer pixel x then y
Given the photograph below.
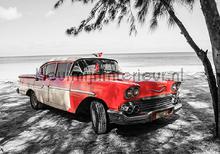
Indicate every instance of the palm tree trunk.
{"type": "Point", "coordinates": [218, 81]}
{"type": "Point", "coordinates": [205, 61]}
{"type": "Point", "coordinates": [211, 14]}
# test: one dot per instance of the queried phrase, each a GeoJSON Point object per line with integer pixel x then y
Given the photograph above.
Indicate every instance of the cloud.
{"type": "Point", "coordinates": [50, 13]}
{"type": "Point", "coordinates": [10, 13]}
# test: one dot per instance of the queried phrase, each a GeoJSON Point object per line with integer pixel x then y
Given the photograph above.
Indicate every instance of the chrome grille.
{"type": "Point", "coordinates": [154, 103]}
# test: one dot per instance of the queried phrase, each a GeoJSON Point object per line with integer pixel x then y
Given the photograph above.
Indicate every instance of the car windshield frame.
{"type": "Point", "coordinates": [100, 62]}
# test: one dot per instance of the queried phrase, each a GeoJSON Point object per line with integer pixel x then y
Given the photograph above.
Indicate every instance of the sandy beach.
{"type": "Point", "coordinates": [24, 130]}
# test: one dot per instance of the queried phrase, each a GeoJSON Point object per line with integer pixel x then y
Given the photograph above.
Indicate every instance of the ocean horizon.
{"type": "Point", "coordinates": [13, 66]}
{"type": "Point", "coordinates": [113, 53]}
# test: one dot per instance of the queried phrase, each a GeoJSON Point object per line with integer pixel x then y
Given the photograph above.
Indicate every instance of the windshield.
{"type": "Point", "coordinates": [98, 66]}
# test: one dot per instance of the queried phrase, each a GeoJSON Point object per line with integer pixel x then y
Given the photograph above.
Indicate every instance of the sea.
{"type": "Point", "coordinates": [186, 62]}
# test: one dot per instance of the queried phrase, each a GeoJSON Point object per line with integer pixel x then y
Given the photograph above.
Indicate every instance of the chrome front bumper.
{"type": "Point", "coordinates": [118, 117]}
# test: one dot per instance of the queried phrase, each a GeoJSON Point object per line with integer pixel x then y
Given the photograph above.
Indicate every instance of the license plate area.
{"type": "Point", "coordinates": [162, 114]}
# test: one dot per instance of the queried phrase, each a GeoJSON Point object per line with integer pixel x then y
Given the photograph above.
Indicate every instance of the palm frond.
{"type": "Point", "coordinates": [85, 23]}
{"type": "Point", "coordinates": [144, 6]}
{"type": "Point", "coordinates": [170, 22]}
{"type": "Point", "coordinates": [106, 11]}
{"type": "Point", "coordinates": [186, 3]}
{"type": "Point", "coordinates": [58, 3]}
{"type": "Point", "coordinates": [153, 24]}
{"type": "Point", "coordinates": [157, 12]}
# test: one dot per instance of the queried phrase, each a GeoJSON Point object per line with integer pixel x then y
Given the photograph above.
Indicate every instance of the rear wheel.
{"type": "Point", "coordinates": [99, 117]}
{"type": "Point", "coordinates": [35, 104]}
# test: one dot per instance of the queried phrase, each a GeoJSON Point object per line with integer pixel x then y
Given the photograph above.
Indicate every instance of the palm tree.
{"type": "Point", "coordinates": [105, 11]}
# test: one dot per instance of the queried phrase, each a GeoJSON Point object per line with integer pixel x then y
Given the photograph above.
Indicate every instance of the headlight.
{"type": "Point", "coordinates": [136, 91]}
{"type": "Point", "coordinates": [127, 108]}
{"type": "Point", "coordinates": [128, 93]}
{"type": "Point", "coordinates": [132, 92]}
{"type": "Point", "coordinates": [175, 87]}
{"type": "Point", "coordinates": [130, 108]}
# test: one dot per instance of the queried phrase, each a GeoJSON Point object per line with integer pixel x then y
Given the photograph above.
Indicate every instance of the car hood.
{"type": "Point", "coordinates": [147, 87]}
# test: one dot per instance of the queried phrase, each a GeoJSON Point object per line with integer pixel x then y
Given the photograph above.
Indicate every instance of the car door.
{"type": "Point", "coordinates": [59, 89]}
{"type": "Point", "coordinates": [47, 71]}
{"type": "Point", "coordinates": [39, 86]}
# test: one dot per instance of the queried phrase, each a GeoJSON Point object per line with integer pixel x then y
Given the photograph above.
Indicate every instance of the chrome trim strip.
{"type": "Point", "coordinates": [154, 97]}
{"type": "Point", "coordinates": [58, 88]}
{"type": "Point", "coordinates": [73, 90]}
{"type": "Point", "coordinates": [158, 91]}
{"type": "Point", "coordinates": [85, 92]}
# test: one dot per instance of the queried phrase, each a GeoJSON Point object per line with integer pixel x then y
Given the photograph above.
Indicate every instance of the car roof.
{"type": "Point", "coordinates": [57, 59]}
{"type": "Point", "coordinates": [72, 59]}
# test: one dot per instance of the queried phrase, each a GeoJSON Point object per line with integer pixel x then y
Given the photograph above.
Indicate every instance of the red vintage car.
{"type": "Point", "coordinates": [95, 86]}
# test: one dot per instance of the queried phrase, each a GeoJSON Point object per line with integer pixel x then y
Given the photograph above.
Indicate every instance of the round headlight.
{"type": "Point", "coordinates": [128, 108]}
{"type": "Point", "coordinates": [136, 91]}
{"type": "Point", "coordinates": [132, 92]}
{"type": "Point", "coordinates": [175, 86]}
{"type": "Point", "coordinates": [129, 93]}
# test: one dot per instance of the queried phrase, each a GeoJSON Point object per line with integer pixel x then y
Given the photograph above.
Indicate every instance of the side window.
{"type": "Point", "coordinates": [91, 66]}
{"type": "Point", "coordinates": [76, 64]}
{"type": "Point", "coordinates": [63, 69]}
{"type": "Point", "coordinates": [50, 70]}
{"type": "Point", "coordinates": [68, 68]}
{"type": "Point", "coordinates": [82, 65]}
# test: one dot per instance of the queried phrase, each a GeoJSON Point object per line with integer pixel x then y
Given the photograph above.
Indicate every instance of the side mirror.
{"type": "Point", "coordinates": [77, 70]}
{"type": "Point", "coordinates": [40, 77]}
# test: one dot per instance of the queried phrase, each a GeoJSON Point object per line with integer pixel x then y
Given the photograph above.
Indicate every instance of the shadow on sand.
{"type": "Point", "coordinates": [24, 130]}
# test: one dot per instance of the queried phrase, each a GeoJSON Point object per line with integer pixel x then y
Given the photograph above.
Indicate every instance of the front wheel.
{"type": "Point", "coordinates": [99, 117]}
{"type": "Point", "coordinates": [35, 104]}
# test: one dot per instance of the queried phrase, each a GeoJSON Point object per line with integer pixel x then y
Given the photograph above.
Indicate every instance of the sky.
{"type": "Point", "coordinates": [33, 27]}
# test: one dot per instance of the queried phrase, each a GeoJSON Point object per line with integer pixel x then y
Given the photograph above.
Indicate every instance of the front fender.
{"type": "Point", "coordinates": [111, 92]}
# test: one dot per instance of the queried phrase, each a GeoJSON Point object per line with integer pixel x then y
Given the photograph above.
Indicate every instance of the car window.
{"type": "Point", "coordinates": [97, 66]}
{"type": "Point", "coordinates": [110, 66]}
{"type": "Point", "coordinates": [81, 65]}
{"type": "Point", "coordinates": [68, 68]}
{"type": "Point", "coordinates": [75, 64]}
{"type": "Point", "coordinates": [63, 69]}
{"type": "Point", "coordinates": [91, 66]}
{"type": "Point", "coordinates": [50, 70]}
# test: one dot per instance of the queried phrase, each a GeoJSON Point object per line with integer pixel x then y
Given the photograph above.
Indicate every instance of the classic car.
{"type": "Point", "coordinates": [94, 86]}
